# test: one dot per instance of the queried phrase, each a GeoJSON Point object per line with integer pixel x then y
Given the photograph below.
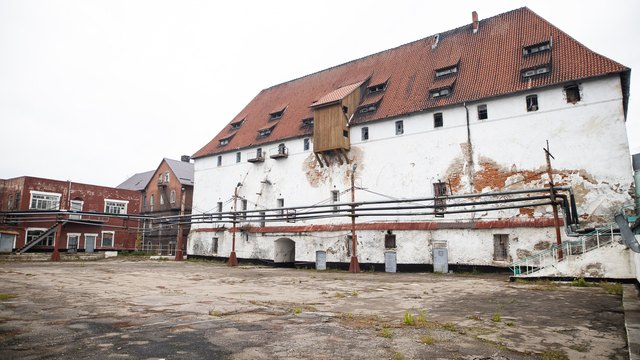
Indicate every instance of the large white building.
{"type": "Point", "coordinates": [471, 108]}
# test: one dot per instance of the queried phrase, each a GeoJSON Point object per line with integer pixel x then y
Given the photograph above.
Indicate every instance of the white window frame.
{"type": "Point", "coordinates": [95, 240]}
{"type": "Point", "coordinates": [116, 203]}
{"type": "Point", "coordinates": [166, 176]}
{"type": "Point", "coordinates": [78, 235]}
{"type": "Point", "coordinates": [219, 160]}
{"type": "Point", "coordinates": [71, 204]}
{"type": "Point", "coordinates": [46, 195]}
{"type": "Point", "coordinates": [399, 127]}
{"type": "Point", "coordinates": [26, 236]}
{"type": "Point", "coordinates": [113, 239]}
{"type": "Point", "coordinates": [173, 196]}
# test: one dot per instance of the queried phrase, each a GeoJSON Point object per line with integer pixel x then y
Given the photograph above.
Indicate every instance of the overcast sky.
{"type": "Point", "coordinates": [96, 91]}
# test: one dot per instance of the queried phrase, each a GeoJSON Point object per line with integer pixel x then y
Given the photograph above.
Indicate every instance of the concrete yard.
{"type": "Point", "coordinates": [153, 309]}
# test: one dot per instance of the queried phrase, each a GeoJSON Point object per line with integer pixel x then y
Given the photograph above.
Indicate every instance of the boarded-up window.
{"type": "Point", "coordinates": [389, 241]}
{"type": "Point", "coordinates": [440, 193]}
{"type": "Point", "coordinates": [500, 247]}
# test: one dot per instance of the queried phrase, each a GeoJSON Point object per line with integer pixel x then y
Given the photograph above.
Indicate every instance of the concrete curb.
{"type": "Point", "coordinates": [631, 304]}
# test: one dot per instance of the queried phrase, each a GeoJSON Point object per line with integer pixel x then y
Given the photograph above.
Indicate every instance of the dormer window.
{"type": "Point", "coordinates": [378, 87]}
{"type": "Point", "coordinates": [225, 141]}
{"type": "Point", "coordinates": [440, 92]}
{"type": "Point", "coordinates": [236, 125]}
{"type": "Point", "coordinates": [307, 122]}
{"type": "Point", "coordinates": [264, 132]}
{"type": "Point", "coordinates": [369, 108]}
{"type": "Point", "coordinates": [276, 115]}
{"type": "Point", "coordinates": [529, 50]}
{"type": "Point", "coordinates": [447, 71]}
{"type": "Point", "coordinates": [533, 72]}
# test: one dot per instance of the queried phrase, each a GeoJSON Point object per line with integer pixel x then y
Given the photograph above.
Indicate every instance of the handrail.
{"type": "Point", "coordinates": [536, 262]}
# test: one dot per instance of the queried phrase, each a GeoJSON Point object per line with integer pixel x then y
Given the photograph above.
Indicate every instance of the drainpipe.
{"type": "Point", "coordinates": [636, 178]}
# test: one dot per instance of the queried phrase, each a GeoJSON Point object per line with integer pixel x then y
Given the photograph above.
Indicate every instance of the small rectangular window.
{"type": "Point", "coordinates": [238, 157]}
{"type": "Point", "coordinates": [500, 247]}
{"type": "Point", "coordinates": [306, 144]}
{"type": "Point", "coordinates": [107, 238]}
{"type": "Point", "coordinates": [219, 160]}
{"type": "Point", "coordinates": [389, 241]}
{"type": "Point", "coordinates": [335, 198]}
{"type": "Point", "coordinates": [166, 176]}
{"type": "Point", "coordinates": [482, 112]}
{"type": "Point", "coordinates": [219, 208]}
{"type": "Point", "coordinates": [345, 133]}
{"type": "Point", "coordinates": [263, 217]}
{"type": "Point", "coordinates": [437, 120]}
{"type": "Point", "coordinates": [173, 196]}
{"type": "Point", "coordinates": [10, 202]}
{"type": "Point", "coordinates": [573, 94]}
{"type": "Point", "coordinates": [16, 201]}
{"type": "Point", "coordinates": [399, 127]}
{"type": "Point", "coordinates": [280, 205]}
{"type": "Point", "coordinates": [532, 103]}
{"type": "Point", "coordinates": [144, 201]}
{"type": "Point", "coordinates": [365, 133]}
{"type": "Point", "coordinates": [243, 207]}
{"type": "Point", "coordinates": [214, 246]}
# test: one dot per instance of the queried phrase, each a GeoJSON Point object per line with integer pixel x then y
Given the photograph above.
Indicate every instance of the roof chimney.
{"type": "Point", "coordinates": [474, 17]}
{"type": "Point", "coordinates": [185, 158]}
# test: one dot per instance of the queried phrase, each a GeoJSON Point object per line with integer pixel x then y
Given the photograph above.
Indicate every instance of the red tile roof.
{"type": "Point", "coordinates": [337, 94]}
{"type": "Point", "coordinates": [490, 64]}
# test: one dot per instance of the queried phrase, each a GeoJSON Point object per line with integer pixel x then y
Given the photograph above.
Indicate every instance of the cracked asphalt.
{"type": "Point", "coordinates": [150, 309]}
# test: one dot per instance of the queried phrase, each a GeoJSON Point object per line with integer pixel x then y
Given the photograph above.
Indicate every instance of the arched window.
{"type": "Point", "coordinates": [173, 196]}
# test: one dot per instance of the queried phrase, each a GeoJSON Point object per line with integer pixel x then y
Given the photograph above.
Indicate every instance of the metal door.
{"type": "Point", "coordinates": [6, 242]}
{"type": "Point", "coordinates": [89, 241]}
{"type": "Point", "coordinates": [390, 261]}
{"type": "Point", "coordinates": [440, 260]}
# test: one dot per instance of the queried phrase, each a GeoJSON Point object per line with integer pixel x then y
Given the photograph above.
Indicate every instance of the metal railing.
{"type": "Point", "coordinates": [552, 256]}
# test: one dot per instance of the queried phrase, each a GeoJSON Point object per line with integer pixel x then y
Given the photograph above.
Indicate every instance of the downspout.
{"type": "Point", "coordinates": [468, 153]}
{"type": "Point", "coordinates": [636, 178]}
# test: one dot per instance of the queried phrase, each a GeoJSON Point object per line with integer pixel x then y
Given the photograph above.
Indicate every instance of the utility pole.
{"type": "Point", "coordinates": [354, 266]}
{"type": "Point", "coordinates": [554, 204]}
{"type": "Point", "coordinates": [233, 260]}
{"type": "Point", "coordinates": [179, 255]}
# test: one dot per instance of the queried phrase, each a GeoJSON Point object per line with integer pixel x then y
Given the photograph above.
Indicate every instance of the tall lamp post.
{"type": "Point", "coordinates": [354, 266]}
{"type": "Point", "coordinates": [179, 255]}
{"type": "Point", "coordinates": [233, 260]}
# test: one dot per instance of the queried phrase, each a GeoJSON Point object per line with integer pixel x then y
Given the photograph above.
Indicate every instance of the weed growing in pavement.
{"type": "Point", "coordinates": [474, 317]}
{"type": "Point", "coordinates": [372, 269]}
{"type": "Point", "coordinates": [385, 333]}
{"type": "Point", "coordinates": [579, 283]}
{"type": "Point", "coordinates": [338, 295]}
{"type": "Point", "coordinates": [408, 319]}
{"type": "Point", "coordinates": [449, 327]}
{"type": "Point", "coordinates": [297, 311]}
{"type": "Point", "coordinates": [354, 293]}
{"type": "Point", "coordinates": [397, 356]}
{"type": "Point", "coordinates": [422, 319]}
{"type": "Point", "coordinates": [7, 296]}
{"type": "Point", "coordinates": [496, 316]}
{"type": "Point", "coordinates": [510, 323]}
{"type": "Point", "coordinates": [611, 288]}
{"type": "Point", "coordinates": [428, 340]}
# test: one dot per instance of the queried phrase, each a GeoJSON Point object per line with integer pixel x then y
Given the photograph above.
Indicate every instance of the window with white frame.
{"type": "Point", "coordinates": [49, 240]}
{"type": "Point", "coordinates": [115, 206]}
{"type": "Point", "coordinates": [335, 198]}
{"type": "Point", "coordinates": [73, 240]}
{"type": "Point", "coordinates": [238, 157]}
{"type": "Point", "coordinates": [219, 160]}
{"type": "Point", "coordinates": [166, 176]}
{"type": "Point", "coordinates": [307, 144]}
{"type": "Point", "coordinates": [107, 238]}
{"type": "Point", "coordinates": [399, 127]}
{"type": "Point", "coordinates": [365, 133]}
{"type": "Point", "coordinates": [44, 201]}
{"type": "Point", "coordinates": [76, 205]}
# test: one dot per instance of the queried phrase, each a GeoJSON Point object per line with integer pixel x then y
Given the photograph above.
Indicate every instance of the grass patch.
{"type": "Point", "coordinates": [611, 288]}
{"type": "Point", "coordinates": [7, 296]}
{"type": "Point", "coordinates": [554, 355]}
{"type": "Point", "coordinates": [338, 295]}
{"type": "Point", "coordinates": [496, 316]}
{"type": "Point", "coordinates": [579, 347]}
{"type": "Point", "coordinates": [422, 318]}
{"type": "Point", "coordinates": [510, 323]}
{"type": "Point", "coordinates": [397, 356]}
{"type": "Point", "coordinates": [474, 317]}
{"type": "Point", "coordinates": [297, 311]}
{"type": "Point", "coordinates": [385, 333]}
{"type": "Point", "coordinates": [428, 340]}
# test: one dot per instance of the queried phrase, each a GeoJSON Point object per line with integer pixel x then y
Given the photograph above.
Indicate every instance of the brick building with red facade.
{"type": "Point", "coordinates": [96, 218]}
